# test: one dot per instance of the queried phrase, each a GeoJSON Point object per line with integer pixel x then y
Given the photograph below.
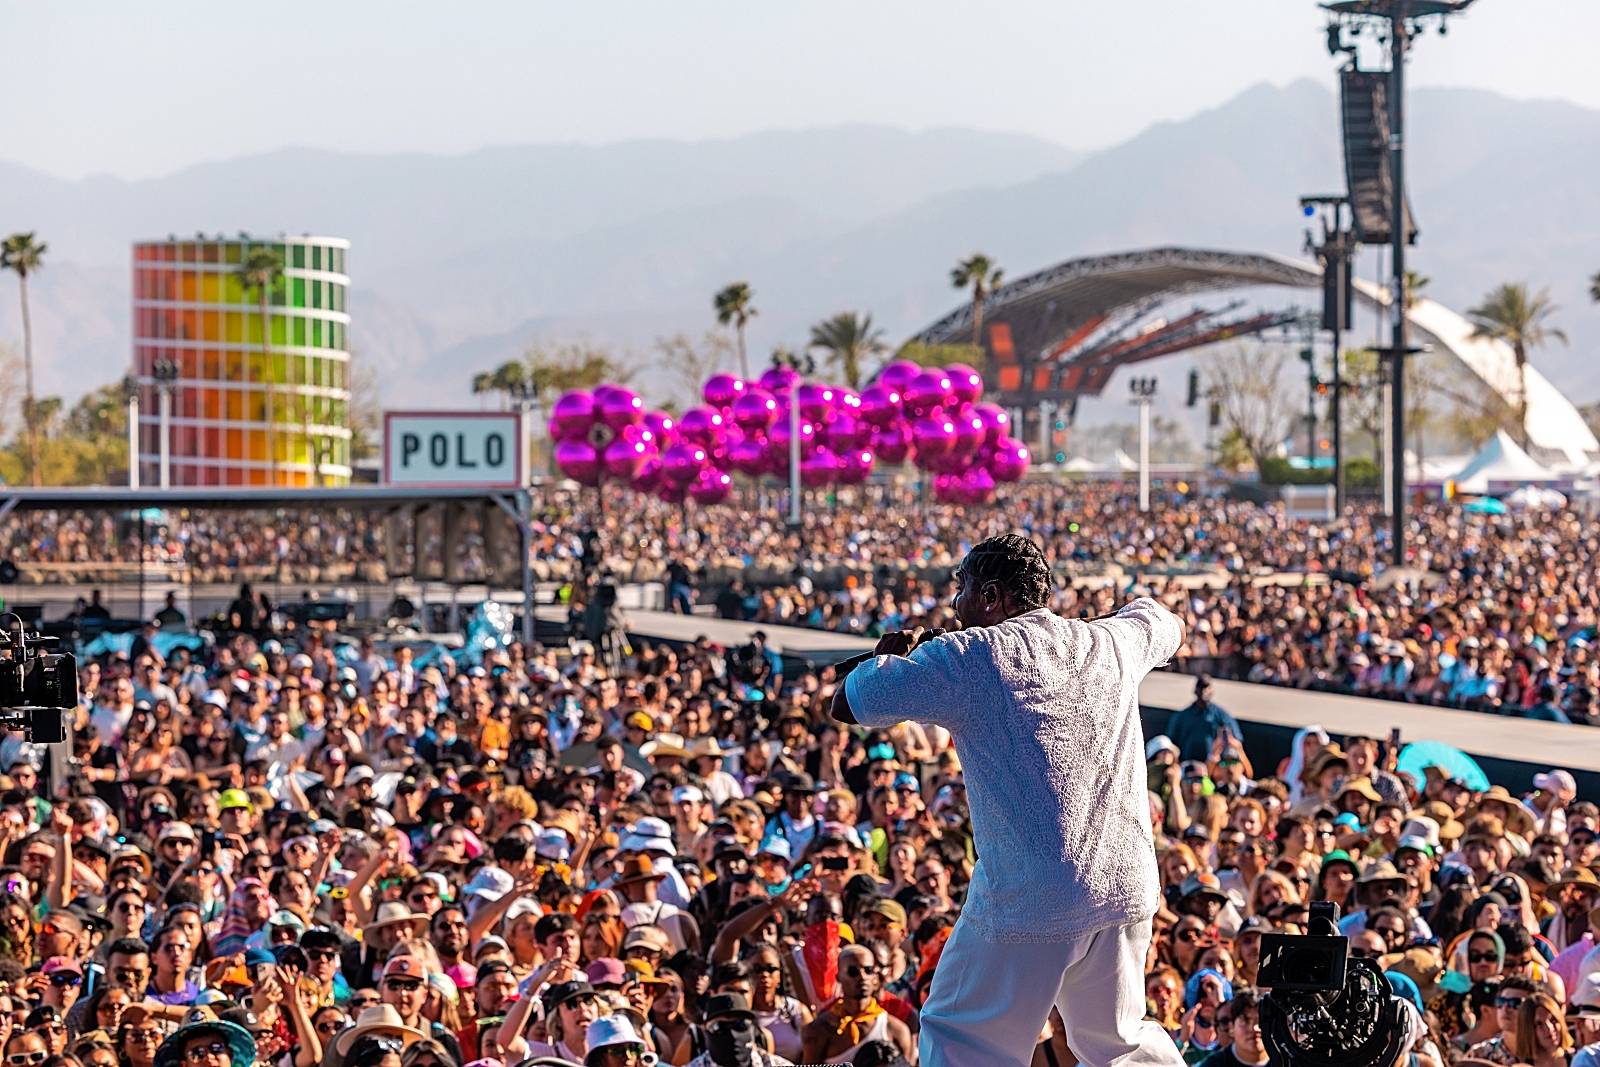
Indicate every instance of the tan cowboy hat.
{"type": "Point", "coordinates": [1362, 787]}
{"type": "Point", "coordinates": [637, 869]}
{"type": "Point", "coordinates": [1579, 876]}
{"type": "Point", "coordinates": [1519, 820]}
{"type": "Point", "coordinates": [1450, 828]}
{"type": "Point", "coordinates": [391, 912]}
{"type": "Point", "coordinates": [378, 1019]}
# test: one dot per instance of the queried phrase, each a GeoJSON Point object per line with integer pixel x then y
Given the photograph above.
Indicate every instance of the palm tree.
{"type": "Point", "coordinates": [21, 253]}
{"type": "Point", "coordinates": [261, 274]}
{"type": "Point", "coordinates": [1415, 283]}
{"type": "Point", "coordinates": [509, 379]}
{"type": "Point", "coordinates": [847, 339]}
{"type": "Point", "coordinates": [733, 308]}
{"type": "Point", "coordinates": [1594, 288]}
{"type": "Point", "coordinates": [979, 273]}
{"type": "Point", "coordinates": [1511, 314]}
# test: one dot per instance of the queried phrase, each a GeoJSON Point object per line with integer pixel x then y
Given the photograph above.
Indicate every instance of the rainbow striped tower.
{"type": "Point", "coordinates": [245, 411]}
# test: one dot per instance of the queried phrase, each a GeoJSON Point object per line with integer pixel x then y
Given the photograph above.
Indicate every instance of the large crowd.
{"type": "Point", "coordinates": [292, 851]}
{"type": "Point", "coordinates": [1493, 613]}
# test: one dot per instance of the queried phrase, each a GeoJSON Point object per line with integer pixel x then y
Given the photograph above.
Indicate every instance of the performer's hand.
{"type": "Point", "coordinates": [899, 643]}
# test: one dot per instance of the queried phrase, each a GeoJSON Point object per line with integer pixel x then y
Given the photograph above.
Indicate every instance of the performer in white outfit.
{"type": "Point", "coordinates": [1045, 716]}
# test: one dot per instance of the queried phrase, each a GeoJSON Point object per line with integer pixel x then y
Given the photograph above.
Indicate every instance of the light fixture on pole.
{"type": "Point", "coordinates": [166, 374]}
{"type": "Point", "coordinates": [804, 366]}
{"type": "Point", "coordinates": [1144, 391]}
{"type": "Point", "coordinates": [130, 393]}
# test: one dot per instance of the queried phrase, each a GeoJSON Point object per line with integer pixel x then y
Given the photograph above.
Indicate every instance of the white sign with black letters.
{"type": "Point", "coordinates": [459, 449]}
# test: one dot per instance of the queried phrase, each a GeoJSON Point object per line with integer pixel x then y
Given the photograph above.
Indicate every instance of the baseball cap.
{"type": "Point", "coordinates": [405, 967]}
{"type": "Point", "coordinates": [640, 720]}
{"type": "Point", "coordinates": [688, 794]}
{"type": "Point", "coordinates": [608, 970]}
{"type": "Point", "coordinates": [359, 773]}
{"type": "Point", "coordinates": [889, 909]}
{"type": "Point", "coordinates": [234, 798]}
{"type": "Point", "coordinates": [1201, 882]}
{"type": "Point", "coordinates": [1555, 781]}
{"type": "Point", "coordinates": [175, 830]}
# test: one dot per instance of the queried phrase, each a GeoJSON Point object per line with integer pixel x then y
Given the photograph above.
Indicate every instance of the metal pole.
{"type": "Point", "coordinates": [1046, 409]}
{"type": "Point", "coordinates": [1397, 351]}
{"type": "Point", "coordinates": [1144, 454]}
{"type": "Point", "coordinates": [1338, 258]}
{"type": "Point", "coordinates": [133, 440]}
{"type": "Point", "coordinates": [165, 407]}
{"type": "Point", "coordinates": [794, 453]}
{"type": "Point", "coordinates": [525, 522]}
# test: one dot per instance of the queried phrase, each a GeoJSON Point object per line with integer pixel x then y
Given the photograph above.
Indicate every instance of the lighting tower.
{"type": "Point", "coordinates": [1144, 391]}
{"type": "Point", "coordinates": [1398, 22]}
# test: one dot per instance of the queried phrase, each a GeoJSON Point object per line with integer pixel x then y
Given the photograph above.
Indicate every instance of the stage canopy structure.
{"type": "Point", "coordinates": [1063, 332]}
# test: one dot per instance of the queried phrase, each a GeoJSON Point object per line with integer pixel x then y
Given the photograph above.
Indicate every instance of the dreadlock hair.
{"type": "Point", "coordinates": [1017, 563]}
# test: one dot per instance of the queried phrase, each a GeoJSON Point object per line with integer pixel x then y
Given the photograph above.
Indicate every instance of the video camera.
{"type": "Point", "coordinates": [1325, 1008]}
{"type": "Point", "coordinates": [38, 688]}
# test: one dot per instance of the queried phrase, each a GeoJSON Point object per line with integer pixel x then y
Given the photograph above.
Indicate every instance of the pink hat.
{"type": "Point", "coordinates": [464, 975]}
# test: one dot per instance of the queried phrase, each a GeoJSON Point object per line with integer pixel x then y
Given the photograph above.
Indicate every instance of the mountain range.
{"type": "Point", "coordinates": [459, 262]}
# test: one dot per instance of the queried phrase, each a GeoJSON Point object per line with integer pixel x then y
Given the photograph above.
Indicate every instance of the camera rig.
{"type": "Point", "coordinates": [1324, 1007]}
{"type": "Point", "coordinates": [38, 687]}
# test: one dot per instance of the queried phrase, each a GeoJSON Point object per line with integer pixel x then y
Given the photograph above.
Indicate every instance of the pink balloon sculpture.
{"type": "Point", "coordinates": [817, 402]}
{"type": "Point", "coordinates": [711, 486]}
{"type": "Point", "coordinates": [672, 492]}
{"type": "Point", "coordinates": [846, 433]}
{"type": "Point", "coordinates": [748, 456]}
{"type": "Point", "coordinates": [1009, 461]}
{"type": "Point", "coordinates": [572, 416]}
{"type": "Point", "coordinates": [663, 429]}
{"type": "Point", "coordinates": [624, 458]}
{"type": "Point", "coordinates": [818, 468]}
{"type": "Point", "coordinates": [702, 425]}
{"type": "Point", "coordinates": [879, 405]}
{"type": "Point", "coordinates": [929, 390]}
{"type": "Point", "coordinates": [721, 390]}
{"type": "Point", "coordinates": [934, 435]}
{"type": "Point", "coordinates": [977, 485]}
{"type": "Point", "coordinates": [995, 420]}
{"type": "Point", "coordinates": [897, 375]}
{"type": "Point", "coordinates": [966, 384]}
{"type": "Point", "coordinates": [892, 444]}
{"type": "Point", "coordinates": [649, 476]}
{"type": "Point", "coordinates": [755, 409]}
{"type": "Point", "coordinates": [779, 379]}
{"type": "Point", "coordinates": [854, 466]}
{"type": "Point", "coordinates": [682, 462]}
{"type": "Point", "coordinates": [620, 407]}
{"type": "Point", "coordinates": [971, 431]}
{"type": "Point", "coordinates": [578, 461]}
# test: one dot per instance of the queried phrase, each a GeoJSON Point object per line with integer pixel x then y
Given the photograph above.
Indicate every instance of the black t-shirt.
{"type": "Point", "coordinates": [1224, 1057]}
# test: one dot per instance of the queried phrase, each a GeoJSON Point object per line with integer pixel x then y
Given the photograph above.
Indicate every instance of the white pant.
{"type": "Point", "coordinates": [989, 1001]}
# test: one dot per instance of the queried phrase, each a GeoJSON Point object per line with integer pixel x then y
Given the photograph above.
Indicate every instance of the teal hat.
{"type": "Point", "coordinates": [1339, 855]}
{"type": "Point", "coordinates": [241, 1046]}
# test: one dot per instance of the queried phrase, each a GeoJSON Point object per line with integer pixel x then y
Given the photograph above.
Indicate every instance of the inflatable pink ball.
{"type": "Point", "coordinates": [818, 468]}
{"type": "Point", "coordinates": [947, 488]}
{"type": "Point", "coordinates": [897, 375]}
{"type": "Point", "coordinates": [572, 416]}
{"type": "Point", "coordinates": [977, 485]}
{"type": "Point", "coordinates": [755, 409]}
{"type": "Point", "coordinates": [579, 461]}
{"type": "Point", "coordinates": [933, 435]}
{"type": "Point", "coordinates": [702, 425]}
{"type": "Point", "coordinates": [892, 444]}
{"type": "Point", "coordinates": [671, 492]}
{"type": "Point", "coordinates": [620, 407]}
{"type": "Point", "coordinates": [779, 379]}
{"type": "Point", "coordinates": [817, 402]}
{"type": "Point", "coordinates": [624, 458]}
{"type": "Point", "coordinates": [662, 428]}
{"type": "Point", "coordinates": [721, 390]}
{"type": "Point", "coordinates": [681, 462]}
{"type": "Point", "coordinates": [878, 405]}
{"type": "Point", "coordinates": [929, 390]}
{"type": "Point", "coordinates": [649, 476]}
{"type": "Point", "coordinates": [854, 466]}
{"type": "Point", "coordinates": [711, 486]}
{"type": "Point", "coordinates": [966, 384]}
{"type": "Point", "coordinates": [954, 461]}
{"type": "Point", "coordinates": [846, 433]}
{"type": "Point", "coordinates": [971, 431]}
{"type": "Point", "coordinates": [997, 424]}
{"type": "Point", "coordinates": [748, 456]}
{"type": "Point", "coordinates": [1010, 460]}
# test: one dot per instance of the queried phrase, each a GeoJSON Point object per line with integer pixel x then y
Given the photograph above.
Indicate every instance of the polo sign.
{"type": "Point", "coordinates": [458, 449]}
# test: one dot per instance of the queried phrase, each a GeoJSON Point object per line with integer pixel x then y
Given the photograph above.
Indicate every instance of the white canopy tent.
{"type": "Point", "coordinates": [1501, 462]}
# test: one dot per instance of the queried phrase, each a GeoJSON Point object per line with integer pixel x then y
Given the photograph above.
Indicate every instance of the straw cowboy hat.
{"type": "Point", "coordinates": [378, 1019]}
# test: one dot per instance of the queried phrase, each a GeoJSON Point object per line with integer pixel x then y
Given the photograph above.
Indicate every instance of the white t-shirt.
{"type": "Point", "coordinates": [1044, 712]}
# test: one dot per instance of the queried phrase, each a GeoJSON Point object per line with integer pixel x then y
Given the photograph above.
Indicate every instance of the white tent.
{"type": "Point", "coordinates": [1501, 461]}
{"type": "Point", "coordinates": [1125, 462]}
{"type": "Point", "coordinates": [1083, 465]}
{"type": "Point", "coordinates": [1433, 470]}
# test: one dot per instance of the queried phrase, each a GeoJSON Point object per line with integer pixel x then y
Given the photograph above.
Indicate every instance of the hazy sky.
{"type": "Point", "coordinates": [96, 86]}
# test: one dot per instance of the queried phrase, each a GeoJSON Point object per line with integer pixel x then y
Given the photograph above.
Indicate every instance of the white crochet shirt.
{"type": "Point", "coordinates": [1045, 716]}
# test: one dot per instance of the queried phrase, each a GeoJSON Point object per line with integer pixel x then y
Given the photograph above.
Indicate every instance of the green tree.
{"type": "Point", "coordinates": [1520, 318]}
{"type": "Point", "coordinates": [691, 362]}
{"type": "Point", "coordinates": [1251, 393]}
{"type": "Point", "coordinates": [734, 307]}
{"type": "Point", "coordinates": [261, 274]}
{"type": "Point", "coordinates": [1416, 282]}
{"type": "Point", "coordinates": [978, 273]}
{"type": "Point", "coordinates": [924, 355]}
{"type": "Point", "coordinates": [23, 254]}
{"type": "Point", "coordinates": [508, 380]}
{"type": "Point", "coordinates": [846, 340]}
{"type": "Point", "coordinates": [1594, 287]}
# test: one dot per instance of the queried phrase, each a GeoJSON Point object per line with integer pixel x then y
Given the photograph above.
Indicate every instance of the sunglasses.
{"type": "Point", "coordinates": [858, 970]}
{"type": "Point", "coordinates": [332, 1026]}
{"type": "Point", "coordinates": [202, 1053]}
{"type": "Point", "coordinates": [66, 978]}
{"type": "Point", "coordinates": [17, 1059]}
{"type": "Point", "coordinates": [1482, 957]}
{"type": "Point", "coordinates": [403, 985]}
{"type": "Point", "coordinates": [1509, 1003]}
{"type": "Point", "coordinates": [768, 969]}
{"type": "Point", "coordinates": [321, 953]}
